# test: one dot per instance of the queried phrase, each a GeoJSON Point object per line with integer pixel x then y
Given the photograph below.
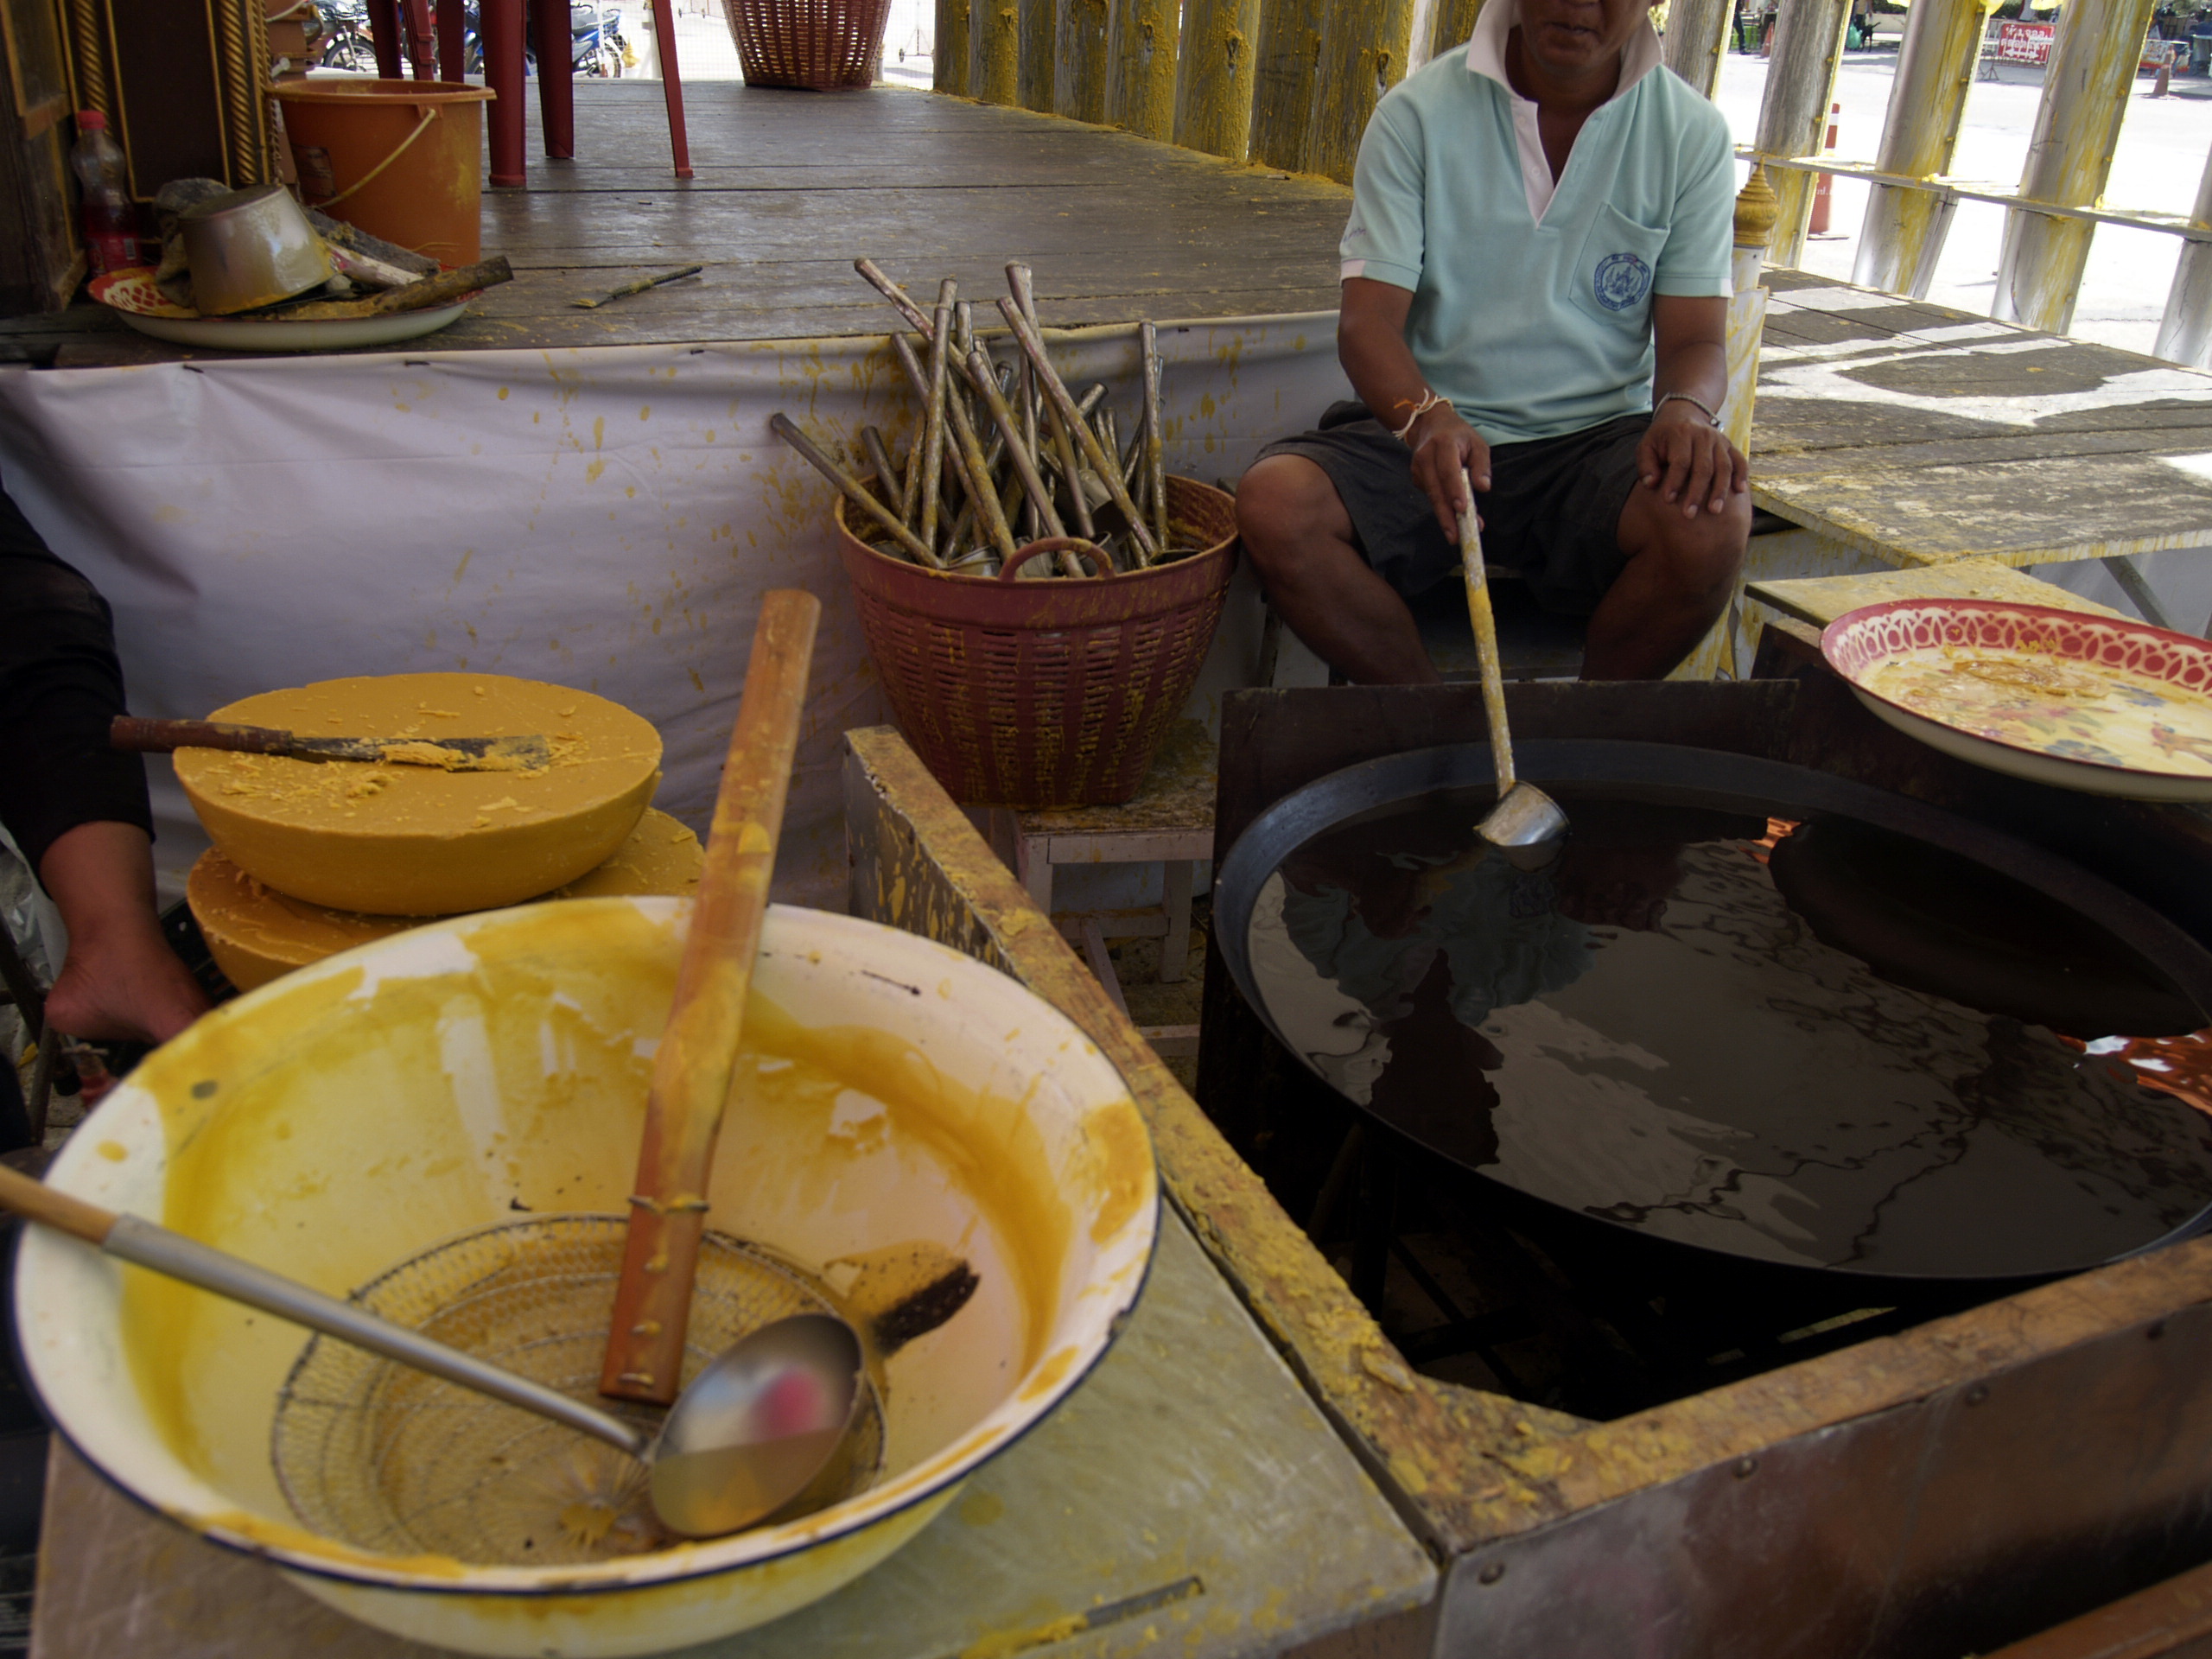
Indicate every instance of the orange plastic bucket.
{"type": "Point", "coordinates": [402, 159]}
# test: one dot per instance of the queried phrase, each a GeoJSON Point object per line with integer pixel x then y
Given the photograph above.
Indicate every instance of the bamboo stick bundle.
{"type": "Point", "coordinates": [1005, 454]}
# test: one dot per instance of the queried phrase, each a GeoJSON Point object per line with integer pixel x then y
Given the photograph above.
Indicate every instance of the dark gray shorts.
{"type": "Point", "coordinates": [1553, 511]}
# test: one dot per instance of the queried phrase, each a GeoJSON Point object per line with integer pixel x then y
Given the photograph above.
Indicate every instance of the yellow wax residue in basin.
{"type": "Point", "coordinates": [420, 841]}
{"type": "Point", "coordinates": [335, 1126]}
{"type": "Point", "coordinates": [259, 934]}
{"type": "Point", "coordinates": [2072, 709]}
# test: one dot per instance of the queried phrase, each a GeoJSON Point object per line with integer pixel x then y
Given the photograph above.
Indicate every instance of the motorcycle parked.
{"type": "Point", "coordinates": [346, 41]}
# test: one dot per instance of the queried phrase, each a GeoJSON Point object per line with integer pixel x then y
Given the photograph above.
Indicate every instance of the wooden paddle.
{"type": "Point", "coordinates": [698, 1049]}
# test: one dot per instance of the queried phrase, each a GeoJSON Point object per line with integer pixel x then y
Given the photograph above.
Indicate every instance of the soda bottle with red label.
{"type": "Point", "coordinates": [111, 220]}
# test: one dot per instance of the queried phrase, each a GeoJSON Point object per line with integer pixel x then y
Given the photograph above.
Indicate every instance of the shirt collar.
{"type": "Point", "coordinates": [1487, 50]}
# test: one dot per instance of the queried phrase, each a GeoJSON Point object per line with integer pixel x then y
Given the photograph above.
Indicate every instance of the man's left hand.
{"type": "Point", "coordinates": [1687, 459]}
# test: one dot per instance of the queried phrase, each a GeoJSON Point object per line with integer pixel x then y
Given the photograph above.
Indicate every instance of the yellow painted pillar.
{"type": "Point", "coordinates": [1363, 56]}
{"type": "Point", "coordinates": [1697, 34]}
{"type": "Point", "coordinates": [1034, 61]}
{"type": "Point", "coordinates": [1452, 24]}
{"type": "Point", "coordinates": [1283, 82]}
{"type": "Point", "coordinates": [2085, 95]}
{"type": "Point", "coordinates": [995, 38]}
{"type": "Point", "coordinates": [1794, 115]}
{"type": "Point", "coordinates": [1079, 78]}
{"type": "Point", "coordinates": [1903, 234]}
{"type": "Point", "coordinates": [949, 63]}
{"type": "Point", "coordinates": [2185, 331]}
{"type": "Point", "coordinates": [1141, 67]}
{"type": "Point", "coordinates": [1213, 77]}
{"type": "Point", "coordinates": [1756, 209]}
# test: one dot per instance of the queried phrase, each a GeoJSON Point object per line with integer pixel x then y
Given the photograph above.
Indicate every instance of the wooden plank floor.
{"type": "Point", "coordinates": [791, 186]}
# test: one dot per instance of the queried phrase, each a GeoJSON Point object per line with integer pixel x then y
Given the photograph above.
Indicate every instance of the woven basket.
{"type": "Point", "coordinates": [825, 46]}
{"type": "Point", "coordinates": [1054, 693]}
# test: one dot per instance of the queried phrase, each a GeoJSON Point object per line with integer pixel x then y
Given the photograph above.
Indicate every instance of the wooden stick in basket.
{"type": "Point", "coordinates": [1155, 468]}
{"type": "Point", "coordinates": [958, 455]}
{"type": "Point", "coordinates": [924, 554]}
{"type": "Point", "coordinates": [1025, 465]}
{"type": "Point", "coordinates": [1021, 281]}
{"type": "Point", "coordinates": [917, 319]}
{"type": "Point", "coordinates": [1056, 394]}
{"type": "Point", "coordinates": [879, 459]}
{"type": "Point", "coordinates": [933, 409]}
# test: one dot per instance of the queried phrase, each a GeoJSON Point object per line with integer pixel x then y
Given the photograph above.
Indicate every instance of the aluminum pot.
{"type": "Point", "coordinates": [381, 1101]}
{"type": "Point", "coordinates": [250, 248]}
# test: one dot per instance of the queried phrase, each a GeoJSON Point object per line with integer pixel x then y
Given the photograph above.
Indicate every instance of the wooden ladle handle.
{"type": "Point", "coordinates": [129, 732]}
{"type": "Point", "coordinates": [41, 1203]}
{"type": "Point", "coordinates": [698, 1050]}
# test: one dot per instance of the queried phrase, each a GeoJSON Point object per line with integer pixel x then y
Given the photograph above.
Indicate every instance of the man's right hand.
{"type": "Point", "coordinates": [1443, 445]}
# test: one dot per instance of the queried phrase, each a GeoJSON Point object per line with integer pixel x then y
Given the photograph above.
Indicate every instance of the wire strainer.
{"type": "Point", "coordinates": [387, 1459]}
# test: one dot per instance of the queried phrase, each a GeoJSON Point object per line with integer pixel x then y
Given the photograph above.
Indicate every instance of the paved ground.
{"type": "Point", "coordinates": [2160, 158]}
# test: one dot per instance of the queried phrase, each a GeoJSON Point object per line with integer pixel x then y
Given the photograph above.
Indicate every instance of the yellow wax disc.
{"type": "Point", "coordinates": [392, 839]}
{"type": "Point", "coordinates": [258, 934]}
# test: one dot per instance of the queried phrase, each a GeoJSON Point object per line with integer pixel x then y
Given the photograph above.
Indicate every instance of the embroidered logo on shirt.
{"type": "Point", "coordinates": [1622, 281]}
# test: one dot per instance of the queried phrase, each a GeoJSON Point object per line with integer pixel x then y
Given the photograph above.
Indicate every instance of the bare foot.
{"type": "Point", "coordinates": [120, 979]}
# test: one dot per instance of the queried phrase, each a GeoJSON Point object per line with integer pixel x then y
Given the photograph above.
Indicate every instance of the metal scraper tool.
{"type": "Point", "coordinates": [443, 754]}
{"type": "Point", "coordinates": [1526, 825]}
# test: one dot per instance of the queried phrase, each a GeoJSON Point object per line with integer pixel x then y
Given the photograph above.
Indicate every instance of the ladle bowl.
{"type": "Point", "coordinates": [357, 1112]}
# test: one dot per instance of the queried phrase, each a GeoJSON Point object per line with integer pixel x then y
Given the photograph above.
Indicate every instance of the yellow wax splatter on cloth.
{"type": "Point", "coordinates": [422, 841]}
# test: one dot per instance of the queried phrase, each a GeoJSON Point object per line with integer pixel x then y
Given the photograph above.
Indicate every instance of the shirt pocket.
{"type": "Point", "coordinates": [1611, 277]}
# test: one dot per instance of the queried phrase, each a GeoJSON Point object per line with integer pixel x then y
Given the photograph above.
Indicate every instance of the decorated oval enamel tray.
{"type": "Point", "coordinates": [130, 293]}
{"type": "Point", "coordinates": [2084, 702]}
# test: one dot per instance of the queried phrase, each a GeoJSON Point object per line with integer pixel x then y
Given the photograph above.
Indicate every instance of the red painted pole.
{"type": "Point", "coordinates": [671, 85]}
{"type": "Point", "coordinates": [1818, 225]}
{"type": "Point", "coordinates": [453, 45]}
{"type": "Point", "coordinates": [384, 35]}
{"type": "Point", "coordinates": [557, 85]}
{"type": "Point", "coordinates": [501, 21]}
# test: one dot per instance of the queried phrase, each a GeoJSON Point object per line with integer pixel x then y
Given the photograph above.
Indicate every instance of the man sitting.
{"type": "Point", "coordinates": [1535, 283]}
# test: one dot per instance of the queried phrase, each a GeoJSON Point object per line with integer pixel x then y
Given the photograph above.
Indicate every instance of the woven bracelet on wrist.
{"type": "Point", "coordinates": [1429, 400]}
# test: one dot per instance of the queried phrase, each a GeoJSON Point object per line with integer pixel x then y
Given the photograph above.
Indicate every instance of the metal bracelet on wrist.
{"type": "Point", "coordinates": [1696, 403]}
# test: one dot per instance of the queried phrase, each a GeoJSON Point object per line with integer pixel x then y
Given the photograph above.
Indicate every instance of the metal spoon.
{"type": "Point", "coordinates": [749, 1433]}
{"type": "Point", "coordinates": [1526, 825]}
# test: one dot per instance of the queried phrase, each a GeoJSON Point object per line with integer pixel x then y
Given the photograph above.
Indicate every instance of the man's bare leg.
{"type": "Point", "coordinates": [121, 979]}
{"type": "Point", "coordinates": [1681, 571]}
{"type": "Point", "coordinates": [1299, 538]}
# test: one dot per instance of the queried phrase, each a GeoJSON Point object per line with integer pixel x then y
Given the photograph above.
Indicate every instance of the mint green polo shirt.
{"type": "Point", "coordinates": [1532, 300]}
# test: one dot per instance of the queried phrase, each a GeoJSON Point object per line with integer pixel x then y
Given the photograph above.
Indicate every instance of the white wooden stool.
{"type": "Point", "coordinates": [1170, 824]}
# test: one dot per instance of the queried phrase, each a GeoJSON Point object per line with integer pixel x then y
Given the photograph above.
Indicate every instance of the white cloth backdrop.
{"type": "Point", "coordinates": [605, 518]}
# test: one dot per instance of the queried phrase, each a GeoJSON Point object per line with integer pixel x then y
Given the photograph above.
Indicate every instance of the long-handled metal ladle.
{"type": "Point", "coordinates": [750, 1433]}
{"type": "Point", "coordinates": [1526, 825]}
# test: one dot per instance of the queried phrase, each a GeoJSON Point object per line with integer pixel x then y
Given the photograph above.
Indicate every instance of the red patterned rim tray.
{"type": "Point", "coordinates": [2087, 701]}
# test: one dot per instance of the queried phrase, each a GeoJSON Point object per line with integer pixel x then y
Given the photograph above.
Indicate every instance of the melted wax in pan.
{"type": "Point", "coordinates": [1648, 1034]}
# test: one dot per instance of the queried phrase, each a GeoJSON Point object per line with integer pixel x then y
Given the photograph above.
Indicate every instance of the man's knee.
{"type": "Point", "coordinates": [1282, 502]}
{"type": "Point", "coordinates": [1702, 555]}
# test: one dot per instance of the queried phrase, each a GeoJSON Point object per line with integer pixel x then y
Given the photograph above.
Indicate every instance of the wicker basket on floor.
{"type": "Point", "coordinates": [824, 46]}
{"type": "Point", "coordinates": [1051, 693]}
